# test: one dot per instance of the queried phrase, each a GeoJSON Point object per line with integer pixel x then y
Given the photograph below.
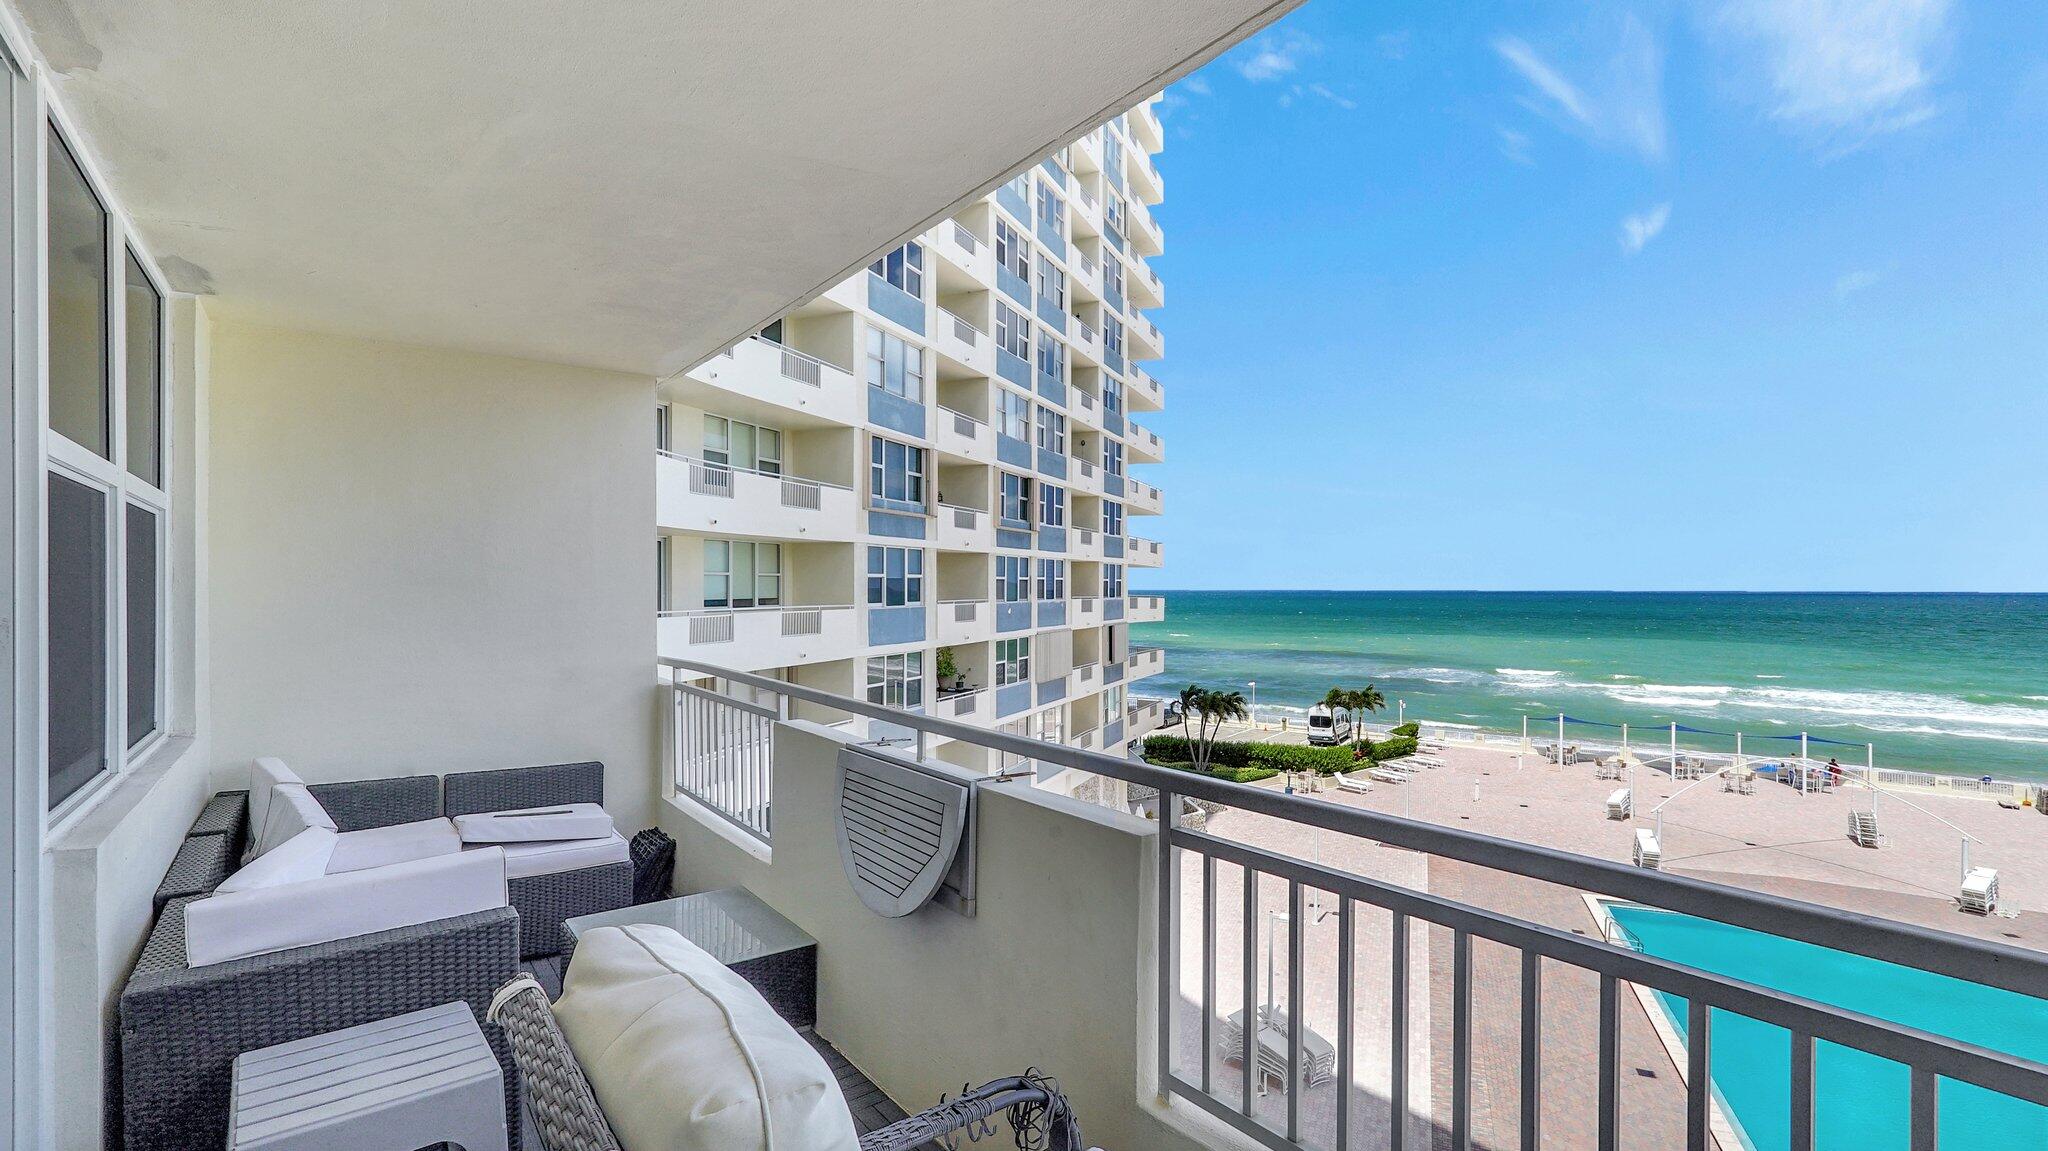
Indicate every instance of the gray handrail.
{"type": "Point", "coordinates": [1982, 961]}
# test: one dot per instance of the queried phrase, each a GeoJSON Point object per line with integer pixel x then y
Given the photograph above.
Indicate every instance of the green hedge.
{"type": "Point", "coordinates": [1411, 729]}
{"type": "Point", "coordinates": [1270, 758]}
{"type": "Point", "coordinates": [1394, 747]}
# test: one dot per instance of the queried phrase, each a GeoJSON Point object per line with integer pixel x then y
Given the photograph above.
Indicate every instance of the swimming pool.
{"type": "Point", "coordinates": [1860, 1100]}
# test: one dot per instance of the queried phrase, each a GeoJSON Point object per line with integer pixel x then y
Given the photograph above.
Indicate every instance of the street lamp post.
{"type": "Point", "coordinates": [1254, 685]}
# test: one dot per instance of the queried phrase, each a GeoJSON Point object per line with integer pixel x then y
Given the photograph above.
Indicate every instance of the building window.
{"type": "Point", "coordinates": [749, 447]}
{"type": "Point", "coordinates": [1052, 283]}
{"type": "Point", "coordinates": [1113, 457]}
{"type": "Point", "coordinates": [1016, 493]}
{"type": "Point", "coordinates": [1013, 331]}
{"type": "Point", "coordinates": [81, 401]}
{"type": "Point", "coordinates": [1112, 336]}
{"type": "Point", "coordinates": [894, 366]}
{"type": "Point", "coordinates": [1013, 415]}
{"type": "Point", "coordinates": [895, 576]}
{"type": "Point", "coordinates": [742, 574]}
{"type": "Point", "coordinates": [1051, 210]}
{"type": "Point", "coordinates": [1052, 506]}
{"type": "Point", "coordinates": [896, 680]}
{"type": "Point", "coordinates": [144, 365]}
{"type": "Point", "coordinates": [1013, 578]}
{"type": "Point", "coordinates": [895, 475]}
{"type": "Point", "coordinates": [1052, 579]}
{"type": "Point", "coordinates": [1052, 430]}
{"type": "Point", "coordinates": [1013, 661]}
{"type": "Point", "coordinates": [1113, 161]}
{"type": "Point", "coordinates": [903, 268]}
{"type": "Point", "coordinates": [661, 574]}
{"type": "Point", "coordinates": [661, 427]}
{"type": "Point", "coordinates": [1112, 703]}
{"type": "Point", "coordinates": [1052, 356]}
{"type": "Point", "coordinates": [1112, 395]}
{"type": "Point", "coordinates": [1112, 581]}
{"type": "Point", "coordinates": [1112, 518]}
{"type": "Point", "coordinates": [77, 606]}
{"type": "Point", "coordinates": [1011, 251]}
{"type": "Point", "coordinates": [1113, 278]}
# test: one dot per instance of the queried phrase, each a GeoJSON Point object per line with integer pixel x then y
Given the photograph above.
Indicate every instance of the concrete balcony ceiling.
{"type": "Point", "coordinates": [629, 186]}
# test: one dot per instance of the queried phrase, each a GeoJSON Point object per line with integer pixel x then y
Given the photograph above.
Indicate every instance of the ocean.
{"type": "Point", "coordinates": [1945, 683]}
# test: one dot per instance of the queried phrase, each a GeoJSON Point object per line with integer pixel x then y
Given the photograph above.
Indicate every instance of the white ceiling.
{"type": "Point", "coordinates": [629, 184]}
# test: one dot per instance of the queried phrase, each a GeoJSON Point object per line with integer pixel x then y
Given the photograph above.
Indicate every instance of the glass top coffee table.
{"type": "Point", "coordinates": [738, 930]}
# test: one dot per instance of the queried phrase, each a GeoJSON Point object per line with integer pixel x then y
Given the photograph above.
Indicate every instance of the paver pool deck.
{"type": "Point", "coordinates": [1776, 840]}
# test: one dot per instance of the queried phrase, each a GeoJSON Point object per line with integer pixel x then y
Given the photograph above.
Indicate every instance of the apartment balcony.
{"type": "Point", "coordinates": [966, 345]}
{"type": "Point", "coordinates": [1147, 239]}
{"type": "Point", "coordinates": [965, 621]}
{"type": "Point", "coordinates": [758, 638]}
{"type": "Point", "coordinates": [963, 529]}
{"type": "Point", "coordinates": [1084, 544]}
{"type": "Point", "coordinates": [1145, 393]}
{"type": "Point", "coordinates": [1147, 290]}
{"type": "Point", "coordinates": [1084, 408]}
{"type": "Point", "coordinates": [1086, 153]}
{"type": "Point", "coordinates": [1084, 211]}
{"type": "Point", "coordinates": [1146, 130]}
{"type": "Point", "coordinates": [1085, 274]}
{"type": "Point", "coordinates": [770, 382]}
{"type": "Point", "coordinates": [1145, 608]}
{"type": "Point", "coordinates": [973, 255]}
{"type": "Point", "coordinates": [1145, 445]}
{"type": "Point", "coordinates": [1086, 341]}
{"type": "Point", "coordinates": [1143, 174]}
{"type": "Point", "coordinates": [975, 706]}
{"type": "Point", "coordinates": [1084, 611]}
{"type": "Point", "coordinates": [1147, 342]}
{"type": "Point", "coordinates": [1085, 476]}
{"type": "Point", "coordinates": [1145, 662]}
{"type": "Point", "coordinates": [962, 436]}
{"type": "Point", "coordinates": [1143, 553]}
{"type": "Point", "coordinates": [1143, 499]}
{"type": "Point", "coordinates": [715, 499]}
{"type": "Point", "coordinates": [1083, 681]}
{"type": "Point", "coordinates": [1143, 717]}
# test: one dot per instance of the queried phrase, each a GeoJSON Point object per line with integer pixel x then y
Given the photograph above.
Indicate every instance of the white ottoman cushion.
{"type": "Point", "coordinates": [239, 924]}
{"type": "Point", "coordinates": [304, 856]}
{"type": "Point", "coordinates": [524, 860]}
{"type": "Point", "coordinates": [291, 809]}
{"type": "Point", "coordinates": [685, 1056]}
{"type": "Point", "coordinates": [265, 773]}
{"type": "Point", "coordinates": [535, 824]}
{"type": "Point", "coordinates": [398, 843]}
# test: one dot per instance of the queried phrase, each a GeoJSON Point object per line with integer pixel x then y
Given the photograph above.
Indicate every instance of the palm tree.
{"type": "Point", "coordinates": [1217, 707]}
{"type": "Point", "coordinates": [1189, 696]}
{"type": "Point", "coordinates": [1359, 703]}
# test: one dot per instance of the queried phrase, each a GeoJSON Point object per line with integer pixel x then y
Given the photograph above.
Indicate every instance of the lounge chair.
{"type": "Point", "coordinates": [1387, 775]}
{"type": "Point", "coordinates": [1350, 781]}
{"type": "Point", "coordinates": [1980, 891]}
{"type": "Point", "coordinates": [1649, 853]}
{"type": "Point", "coordinates": [1620, 805]}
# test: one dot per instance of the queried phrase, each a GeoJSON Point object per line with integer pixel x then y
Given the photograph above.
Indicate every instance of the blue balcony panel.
{"type": "Point", "coordinates": [888, 626]}
{"type": "Point", "coordinates": [1014, 286]}
{"type": "Point", "coordinates": [1013, 616]}
{"type": "Point", "coordinates": [1052, 463]}
{"type": "Point", "coordinates": [1052, 689]}
{"type": "Point", "coordinates": [1014, 452]}
{"type": "Point", "coordinates": [1114, 361]}
{"type": "Point", "coordinates": [1113, 737]}
{"type": "Point", "coordinates": [1052, 169]}
{"type": "Point", "coordinates": [1112, 485]}
{"type": "Point", "coordinates": [1052, 613]}
{"type": "Point", "coordinates": [895, 525]}
{"type": "Point", "coordinates": [1012, 698]}
{"type": "Point", "coordinates": [1051, 315]}
{"type": "Point", "coordinates": [1112, 673]}
{"type": "Point", "coordinates": [1013, 202]}
{"type": "Point", "coordinates": [891, 411]}
{"type": "Point", "coordinates": [1113, 298]}
{"type": "Point", "coordinates": [894, 304]}
{"type": "Point", "coordinates": [1113, 549]}
{"type": "Point", "coordinates": [1053, 389]}
{"type": "Point", "coordinates": [1112, 422]}
{"type": "Point", "coordinates": [1049, 235]}
{"type": "Point", "coordinates": [1013, 367]}
{"type": "Point", "coordinates": [1052, 539]}
{"type": "Point", "coordinates": [1113, 607]}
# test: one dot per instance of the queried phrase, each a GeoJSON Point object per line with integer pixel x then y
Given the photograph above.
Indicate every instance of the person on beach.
{"type": "Point", "coordinates": [1834, 773]}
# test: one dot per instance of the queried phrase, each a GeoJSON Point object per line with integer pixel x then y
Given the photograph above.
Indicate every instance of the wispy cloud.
{"type": "Point", "coordinates": [1393, 45]}
{"type": "Point", "coordinates": [1515, 146]}
{"type": "Point", "coordinates": [1621, 100]}
{"type": "Point", "coordinates": [1843, 72]}
{"type": "Point", "coordinates": [1642, 227]}
{"type": "Point", "coordinates": [1344, 102]}
{"type": "Point", "coordinates": [1275, 54]}
{"type": "Point", "coordinates": [1849, 283]}
{"type": "Point", "coordinates": [1194, 86]}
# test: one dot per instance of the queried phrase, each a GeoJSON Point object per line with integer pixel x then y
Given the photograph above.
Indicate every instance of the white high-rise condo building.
{"type": "Point", "coordinates": [923, 485]}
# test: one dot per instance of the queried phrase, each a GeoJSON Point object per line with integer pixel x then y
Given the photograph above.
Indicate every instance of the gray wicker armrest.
{"type": "Point", "coordinates": [360, 804]}
{"type": "Point", "coordinates": [1032, 1104]}
{"type": "Point", "coordinates": [565, 1113]}
{"type": "Point", "coordinates": [180, 1027]}
{"type": "Point", "coordinates": [470, 792]}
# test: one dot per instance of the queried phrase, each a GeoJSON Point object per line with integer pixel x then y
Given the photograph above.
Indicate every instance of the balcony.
{"type": "Point", "coordinates": [966, 621]}
{"type": "Point", "coordinates": [963, 436]}
{"type": "Point", "coordinates": [1145, 445]}
{"type": "Point", "coordinates": [1143, 499]}
{"type": "Point", "coordinates": [1086, 340]}
{"type": "Point", "coordinates": [1144, 553]}
{"type": "Point", "coordinates": [963, 529]}
{"type": "Point", "coordinates": [1084, 544]}
{"type": "Point", "coordinates": [1084, 408]}
{"type": "Point", "coordinates": [1146, 288]}
{"type": "Point", "coordinates": [1146, 608]}
{"type": "Point", "coordinates": [1146, 662]}
{"type": "Point", "coordinates": [975, 706]}
{"type": "Point", "coordinates": [957, 244]}
{"type": "Point", "coordinates": [1145, 392]}
{"type": "Point", "coordinates": [1086, 611]}
{"type": "Point", "coordinates": [1085, 211]}
{"type": "Point", "coordinates": [1087, 475]}
{"type": "Point", "coordinates": [1145, 235]}
{"type": "Point", "coordinates": [964, 344]}
{"type": "Point", "coordinates": [1147, 342]}
{"type": "Point", "coordinates": [757, 376]}
{"type": "Point", "coordinates": [1419, 1012]}
{"type": "Point", "coordinates": [715, 499]}
{"type": "Point", "coordinates": [1143, 174]}
{"type": "Point", "coordinates": [1083, 681]}
{"type": "Point", "coordinates": [1086, 277]}
{"type": "Point", "coordinates": [760, 638]}
{"type": "Point", "coordinates": [1146, 130]}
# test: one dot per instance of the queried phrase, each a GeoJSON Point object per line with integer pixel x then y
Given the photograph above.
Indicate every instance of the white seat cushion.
{"type": "Point", "coordinates": [265, 919]}
{"type": "Point", "coordinates": [291, 809]}
{"type": "Point", "coordinates": [685, 1056]}
{"type": "Point", "coordinates": [523, 860]}
{"type": "Point", "coordinates": [304, 856]}
{"type": "Point", "coordinates": [535, 824]}
{"type": "Point", "coordinates": [265, 773]}
{"type": "Point", "coordinates": [399, 843]}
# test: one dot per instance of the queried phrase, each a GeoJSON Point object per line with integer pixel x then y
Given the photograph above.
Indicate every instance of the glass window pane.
{"type": "Point", "coordinates": [80, 407]}
{"type": "Point", "coordinates": [78, 636]}
{"type": "Point", "coordinates": [142, 604]}
{"type": "Point", "coordinates": [145, 388]}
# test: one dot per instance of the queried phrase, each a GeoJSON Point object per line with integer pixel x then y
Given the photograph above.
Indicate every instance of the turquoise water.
{"type": "Point", "coordinates": [1951, 683]}
{"type": "Point", "coordinates": [1860, 1100]}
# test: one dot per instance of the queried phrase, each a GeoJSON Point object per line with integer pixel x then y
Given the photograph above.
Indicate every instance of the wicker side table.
{"type": "Point", "coordinates": [738, 930]}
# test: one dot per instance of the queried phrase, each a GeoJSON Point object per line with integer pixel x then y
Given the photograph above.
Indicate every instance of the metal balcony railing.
{"type": "Point", "coordinates": [804, 369]}
{"type": "Point", "coordinates": [963, 424]}
{"type": "Point", "coordinates": [963, 331]}
{"type": "Point", "coordinates": [1196, 867]}
{"type": "Point", "coordinates": [718, 480]}
{"type": "Point", "coordinates": [964, 237]}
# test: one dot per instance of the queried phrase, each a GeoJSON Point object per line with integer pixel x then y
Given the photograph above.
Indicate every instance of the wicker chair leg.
{"type": "Point", "coordinates": [1037, 1112]}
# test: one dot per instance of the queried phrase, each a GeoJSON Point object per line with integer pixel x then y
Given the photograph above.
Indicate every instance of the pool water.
{"type": "Point", "coordinates": [1860, 1100]}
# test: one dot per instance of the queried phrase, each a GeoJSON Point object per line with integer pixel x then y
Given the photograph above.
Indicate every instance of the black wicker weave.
{"type": "Point", "coordinates": [469, 792]}
{"type": "Point", "coordinates": [225, 814]}
{"type": "Point", "coordinates": [544, 901]}
{"type": "Point", "coordinates": [181, 1027]}
{"type": "Point", "coordinates": [359, 805]}
{"type": "Point", "coordinates": [201, 863]}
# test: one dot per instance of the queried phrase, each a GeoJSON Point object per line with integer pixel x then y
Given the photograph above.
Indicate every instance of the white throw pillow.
{"type": "Point", "coordinates": [291, 809]}
{"type": "Point", "coordinates": [264, 774]}
{"type": "Point", "coordinates": [685, 1056]}
{"type": "Point", "coordinates": [297, 860]}
{"type": "Point", "coordinates": [398, 843]}
{"type": "Point", "coordinates": [535, 824]}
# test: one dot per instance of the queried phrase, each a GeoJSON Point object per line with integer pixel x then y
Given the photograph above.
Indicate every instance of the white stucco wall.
{"type": "Point", "coordinates": [425, 560]}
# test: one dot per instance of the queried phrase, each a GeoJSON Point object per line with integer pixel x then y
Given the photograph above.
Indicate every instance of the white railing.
{"type": "Point", "coordinates": [963, 331]}
{"type": "Point", "coordinates": [965, 238]}
{"type": "Point", "coordinates": [723, 755]}
{"type": "Point", "coordinates": [1085, 330]}
{"type": "Point", "coordinates": [963, 424]}
{"type": "Point", "coordinates": [716, 625]}
{"type": "Point", "coordinates": [1089, 200]}
{"type": "Point", "coordinates": [802, 368]}
{"type": "Point", "coordinates": [966, 519]}
{"type": "Point", "coordinates": [706, 627]}
{"type": "Point", "coordinates": [709, 479]}
{"type": "Point", "coordinates": [964, 610]}
{"type": "Point", "coordinates": [803, 621]}
{"type": "Point", "coordinates": [1091, 265]}
{"type": "Point", "coordinates": [804, 494]}
{"type": "Point", "coordinates": [964, 702]}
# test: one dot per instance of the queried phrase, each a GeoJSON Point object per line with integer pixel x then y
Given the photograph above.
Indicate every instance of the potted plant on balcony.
{"type": "Point", "coordinates": [950, 678]}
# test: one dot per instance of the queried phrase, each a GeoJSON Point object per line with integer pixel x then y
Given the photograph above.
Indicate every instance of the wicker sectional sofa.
{"type": "Point", "coordinates": [180, 1027]}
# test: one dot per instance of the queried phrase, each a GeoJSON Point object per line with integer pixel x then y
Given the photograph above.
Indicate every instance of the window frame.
{"type": "Point", "coordinates": [916, 476]}
{"type": "Point", "coordinates": [908, 576]}
{"type": "Point", "coordinates": [1012, 251]}
{"type": "Point", "coordinates": [1052, 579]}
{"type": "Point", "coordinates": [883, 346]}
{"type": "Point", "coordinates": [900, 674]}
{"type": "Point", "coordinates": [1022, 502]}
{"type": "Point", "coordinates": [902, 268]}
{"type": "Point", "coordinates": [1013, 660]}
{"type": "Point", "coordinates": [1052, 430]}
{"type": "Point", "coordinates": [1013, 411]}
{"type": "Point", "coordinates": [1052, 282]}
{"type": "Point", "coordinates": [1052, 506]}
{"type": "Point", "coordinates": [1013, 331]}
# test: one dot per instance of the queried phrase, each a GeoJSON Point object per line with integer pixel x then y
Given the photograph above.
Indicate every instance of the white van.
{"type": "Point", "coordinates": [1328, 728]}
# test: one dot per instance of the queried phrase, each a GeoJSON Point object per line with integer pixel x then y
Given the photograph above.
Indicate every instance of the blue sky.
{"type": "Point", "coordinates": [1741, 294]}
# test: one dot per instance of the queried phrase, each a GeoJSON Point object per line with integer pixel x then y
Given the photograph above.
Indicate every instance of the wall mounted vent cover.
{"type": "Point", "coordinates": [905, 832]}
